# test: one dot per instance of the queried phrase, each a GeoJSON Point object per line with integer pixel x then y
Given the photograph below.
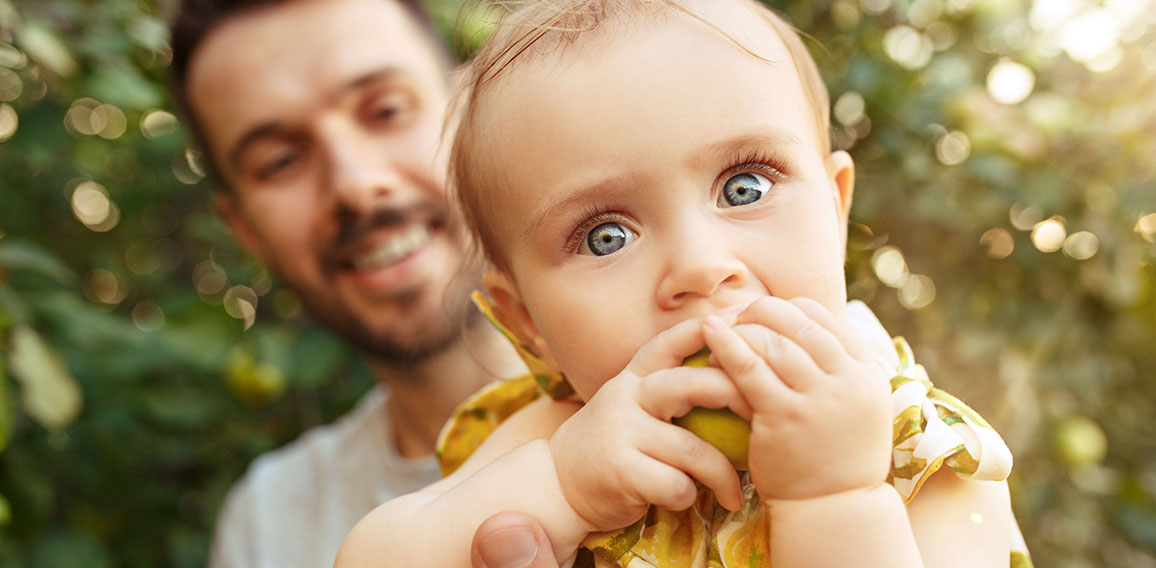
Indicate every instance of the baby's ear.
{"type": "Point", "coordinates": [841, 172]}
{"type": "Point", "coordinates": [510, 312]}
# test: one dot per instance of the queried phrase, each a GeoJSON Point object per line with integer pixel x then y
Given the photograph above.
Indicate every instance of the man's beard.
{"type": "Point", "coordinates": [401, 347]}
{"type": "Point", "coordinates": [418, 336]}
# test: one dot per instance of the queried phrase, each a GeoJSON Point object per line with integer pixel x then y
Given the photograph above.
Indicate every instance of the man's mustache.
{"type": "Point", "coordinates": [355, 228]}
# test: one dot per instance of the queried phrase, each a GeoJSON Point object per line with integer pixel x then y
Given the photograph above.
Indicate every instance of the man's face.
{"type": "Point", "coordinates": [324, 118]}
{"type": "Point", "coordinates": [657, 177]}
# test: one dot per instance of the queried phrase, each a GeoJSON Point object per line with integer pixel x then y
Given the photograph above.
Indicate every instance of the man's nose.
{"type": "Point", "coordinates": [700, 265]}
{"type": "Point", "coordinates": [360, 173]}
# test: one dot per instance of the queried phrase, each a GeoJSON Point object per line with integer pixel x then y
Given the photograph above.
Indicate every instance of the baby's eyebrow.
{"type": "Point", "coordinates": [763, 136]}
{"type": "Point", "coordinates": [587, 194]}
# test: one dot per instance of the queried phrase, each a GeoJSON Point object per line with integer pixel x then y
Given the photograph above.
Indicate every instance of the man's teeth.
{"type": "Point", "coordinates": [395, 248]}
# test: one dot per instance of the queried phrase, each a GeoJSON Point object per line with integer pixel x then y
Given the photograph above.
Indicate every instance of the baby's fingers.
{"type": "Point", "coordinates": [687, 452]}
{"type": "Point", "coordinates": [668, 349]}
{"type": "Point", "coordinates": [748, 369]}
{"type": "Point", "coordinates": [670, 393]}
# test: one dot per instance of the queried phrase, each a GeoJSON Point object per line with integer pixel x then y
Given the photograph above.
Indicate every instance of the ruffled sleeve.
{"type": "Point", "coordinates": [931, 428]}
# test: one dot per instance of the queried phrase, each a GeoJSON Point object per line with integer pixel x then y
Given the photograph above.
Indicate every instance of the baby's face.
{"type": "Point", "coordinates": [661, 176]}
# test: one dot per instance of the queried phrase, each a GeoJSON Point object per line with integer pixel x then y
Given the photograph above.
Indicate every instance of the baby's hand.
{"type": "Point", "coordinates": [822, 419]}
{"type": "Point", "coordinates": [619, 453]}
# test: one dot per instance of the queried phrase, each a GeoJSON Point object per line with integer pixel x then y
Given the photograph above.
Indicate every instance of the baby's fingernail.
{"type": "Point", "coordinates": [513, 547]}
{"type": "Point", "coordinates": [713, 322]}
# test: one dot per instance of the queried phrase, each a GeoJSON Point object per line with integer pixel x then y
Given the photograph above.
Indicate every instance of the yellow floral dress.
{"type": "Point", "coordinates": [931, 429]}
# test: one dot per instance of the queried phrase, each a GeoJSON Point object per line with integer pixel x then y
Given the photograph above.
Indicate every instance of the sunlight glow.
{"type": "Point", "coordinates": [1009, 82]}
{"type": "Point", "coordinates": [1048, 236]}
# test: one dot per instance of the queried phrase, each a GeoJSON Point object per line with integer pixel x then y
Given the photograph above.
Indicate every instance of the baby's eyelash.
{"type": "Point", "coordinates": [592, 216]}
{"type": "Point", "coordinates": [758, 159]}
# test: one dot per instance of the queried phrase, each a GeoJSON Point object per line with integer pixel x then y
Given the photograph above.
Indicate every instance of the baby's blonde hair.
{"type": "Point", "coordinates": [536, 28]}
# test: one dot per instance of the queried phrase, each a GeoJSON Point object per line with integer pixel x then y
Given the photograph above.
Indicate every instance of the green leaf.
{"type": "Point", "coordinates": [43, 45]}
{"type": "Point", "coordinates": [125, 87]}
{"type": "Point", "coordinates": [70, 548]}
{"type": "Point", "coordinates": [51, 395]}
{"type": "Point", "coordinates": [23, 255]}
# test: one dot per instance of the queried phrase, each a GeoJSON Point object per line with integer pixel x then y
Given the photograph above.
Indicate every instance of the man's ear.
{"type": "Point", "coordinates": [511, 312]}
{"type": "Point", "coordinates": [841, 170]}
{"type": "Point", "coordinates": [231, 212]}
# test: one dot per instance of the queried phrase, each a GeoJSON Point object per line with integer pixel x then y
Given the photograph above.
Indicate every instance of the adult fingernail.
{"type": "Point", "coordinates": [512, 547]}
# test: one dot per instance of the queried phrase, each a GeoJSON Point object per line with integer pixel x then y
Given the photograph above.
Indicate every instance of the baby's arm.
{"type": "Point", "coordinates": [603, 465]}
{"type": "Point", "coordinates": [511, 470]}
{"type": "Point", "coordinates": [949, 511]}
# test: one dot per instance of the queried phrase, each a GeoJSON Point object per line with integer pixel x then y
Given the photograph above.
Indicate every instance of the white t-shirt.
{"type": "Point", "coordinates": [295, 505]}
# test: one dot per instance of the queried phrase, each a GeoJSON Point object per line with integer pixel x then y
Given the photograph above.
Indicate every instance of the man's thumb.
{"type": "Point", "coordinates": [512, 540]}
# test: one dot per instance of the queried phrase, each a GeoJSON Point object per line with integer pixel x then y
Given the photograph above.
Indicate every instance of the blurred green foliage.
{"type": "Point", "coordinates": [1004, 222]}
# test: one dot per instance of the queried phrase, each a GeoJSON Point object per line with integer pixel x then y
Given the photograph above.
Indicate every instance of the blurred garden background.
{"type": "Point", "coordinates": [1004, 222]}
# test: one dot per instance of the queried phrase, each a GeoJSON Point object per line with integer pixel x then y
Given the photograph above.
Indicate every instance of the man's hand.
{"type": "Point", "coordinates": [512, 540]}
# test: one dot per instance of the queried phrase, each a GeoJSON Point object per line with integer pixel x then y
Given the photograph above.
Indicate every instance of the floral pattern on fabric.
{"type": "Point", "coordinates": [931, 429]}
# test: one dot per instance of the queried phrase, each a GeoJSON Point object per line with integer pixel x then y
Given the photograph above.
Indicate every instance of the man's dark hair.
{"type": "Point", "coordinates": [196, 19]}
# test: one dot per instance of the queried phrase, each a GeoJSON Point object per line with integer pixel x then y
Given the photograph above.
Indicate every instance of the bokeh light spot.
{"type": "Point", "coordinates": [1051, 14]}
{"type": "Point", "coordinates": [1048, 236]}
{"type": "Point", "coordinates": [148, 316]}
{"type": "Point", "coordinates": [196, 161]}
{"type": "Point", "coordinates": [1146, 227]}
{"type": "Point", "coordinates": [999, 243]}
{"type": "Point", "coordinates": [923, 13]}
{"type": "Point", "coordinates": [1081, 245]}
{"type": "Point", "coordinates": [875, 7]}
{"type": "Point", "coordinates": [209, 278]}
{"type": "Point", "coordinates": [9, 121]}
{"type": "Point", "coordinates": [1090, 35]}
{"type": "Point", "coordinates": [850, 108]}
{"type": "Point", "coordinates": [157, 123]}
{"type": "Point", "coordinates": [1009, 82]}
{"type": "Point", "coordinates": [139, 261]}
{"type": "Point", "coordinates": [1025, 217]}
{"type": "Point", "coordinates": [92, 206]}
{"type": "Point", "coordinates": [11, 57]}
{"type": "Point", "coordinates": [908, 47]}
{"type": "Point", "coordinates": [105, 287]}
{"type": "Point", "coordinates": [890, 266]}
{"type": "Point", "coordinates": [80, 117]}
{"type": "Point", "coordinates": [241, 303]}
{"type": "Point", "coordinates": [113, 123]}
{"type": "Point", "coordinates": [10, 85]}
{"type": "Point", "coordinates": [953, 148]}
{"type": "Point", "coordinates": [918, 291]}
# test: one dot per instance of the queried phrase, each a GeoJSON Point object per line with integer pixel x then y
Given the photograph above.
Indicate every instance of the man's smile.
{"type": "Point", "coordinates": [393, 248]}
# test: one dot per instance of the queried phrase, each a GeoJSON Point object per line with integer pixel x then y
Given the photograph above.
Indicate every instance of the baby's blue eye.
{"type": "Point", "coordinates": [607, 238]}
{"type": "Point", "coordinates": [743, 189]}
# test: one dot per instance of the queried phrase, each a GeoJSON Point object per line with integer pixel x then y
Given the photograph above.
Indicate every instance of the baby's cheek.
{"type": "Point", "coordinates": [590, 361]}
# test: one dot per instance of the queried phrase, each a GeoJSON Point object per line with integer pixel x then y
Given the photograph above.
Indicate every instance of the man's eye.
{"type": "Point", "coordinates": [607, 238]}
{"type": "Point", "coordinates": [743, 189]}
{"type": "Point", "coordinates": [388, 108]}
{"type": "Point", "coordinates": [277, 165]}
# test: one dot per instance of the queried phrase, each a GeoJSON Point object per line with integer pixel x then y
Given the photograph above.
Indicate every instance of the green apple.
{"type": "Point", "coordinates": [719, 427]}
